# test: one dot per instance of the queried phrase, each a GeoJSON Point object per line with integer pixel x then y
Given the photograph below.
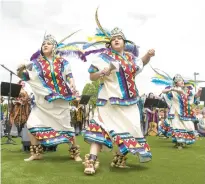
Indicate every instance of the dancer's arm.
{"type": "Point", "coordinates": [147, 56]}
{"type": "Point", "coordinates": [69, 76]}
{"type": "Point", "coordinates": [23, 73]}
{"type": "Point", "coordinates": [167, 90]}
{"type": "Point", "coordinates": [72, 84]}
{"type": "Point", "coordinates": [179, 91]}
{"type": "Point", "coordinates": [100, 74]}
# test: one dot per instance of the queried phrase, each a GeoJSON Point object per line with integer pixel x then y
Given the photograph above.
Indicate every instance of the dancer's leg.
{"type": "Point", "coordinates": [75, 151]}
{"type": "Point", "coordinates": [35, 149]}
{"type": "Point", "coordinates": [91, 163]}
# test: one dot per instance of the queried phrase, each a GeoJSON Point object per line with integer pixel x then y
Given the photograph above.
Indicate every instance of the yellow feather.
{"type": "Point", "coordinates": [90, 39]}
{"type": "Point", "coordinates": [159, 76]}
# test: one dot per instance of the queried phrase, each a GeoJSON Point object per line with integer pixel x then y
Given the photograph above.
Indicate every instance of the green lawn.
{"type": "Point", "coordinates": [169, 166]}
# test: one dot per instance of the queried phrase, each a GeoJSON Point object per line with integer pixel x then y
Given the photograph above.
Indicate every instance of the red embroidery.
{"type": "Point", "coordinates": [56, 78]}
{"type": "Point", "coordinates": [129, 68]}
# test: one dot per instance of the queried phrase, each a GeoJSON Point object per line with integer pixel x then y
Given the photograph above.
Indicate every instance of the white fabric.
{"type": "Point", "coordinates": [176, 123]}
{"type": "Point", "coordinates": [121, 119]}
{"type": "Point", "coordinates": [14, 130]}
{"type": "Point", "coordinates": [174, 103]}
{"type": "Point", "coordinates": [54, 114]}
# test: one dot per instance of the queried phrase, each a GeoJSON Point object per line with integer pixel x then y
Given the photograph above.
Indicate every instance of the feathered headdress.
{"type": "Point", "coordinates": [103, 37]}
{"type": "Point", "coordinates": [162, 78]}
{"type": "Point", "coordinates": [62, 49]}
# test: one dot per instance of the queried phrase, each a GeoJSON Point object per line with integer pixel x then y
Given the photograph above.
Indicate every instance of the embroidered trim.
{"type": "Point", "coordinates": [123, 102]}
{"type": "Point", "coordinates": [101, 102]}
{"type": "Point", "coordinates": [53, 94]}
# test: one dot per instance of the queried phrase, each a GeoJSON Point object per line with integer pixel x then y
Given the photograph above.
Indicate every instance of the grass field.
{"type": "Point", "coordinates": [169, 166]}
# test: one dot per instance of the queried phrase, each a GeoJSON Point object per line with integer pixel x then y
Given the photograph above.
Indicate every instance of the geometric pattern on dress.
{"type": "Point", "coordinates": [45, 65]}
{"type": "Point", "coordinates": [129, 69]}
{"type": "Point", "coordinates": [53, 76]}
{"type": "Point", "coordinates": [48, 136]}
{"type": "Point", "coordinates": [57, 67]}
{"type": "Point", "coordinates": [96, 133]}
{"type": "Point", "coordinates": [183, 136]}
{"type": "Point", "coordinates": [127, 143]}
{"type": "Point", "coordinates": [185, 106]}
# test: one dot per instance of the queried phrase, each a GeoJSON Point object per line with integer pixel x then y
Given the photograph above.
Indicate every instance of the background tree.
{"type": "Point", "coordinates": [92, 89]}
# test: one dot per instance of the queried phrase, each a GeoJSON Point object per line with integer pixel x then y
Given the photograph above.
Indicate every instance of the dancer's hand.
{"type": "Point", "coordinates": [151, 52]}
{"type": "Point", "coordinates": [106, 71]}
{"type": "Point", "coordinates": [21, 67]}
{"type": "Point", "coordinates": [73, 87]}
{"type": "Point", "coordinates": [146, 58]}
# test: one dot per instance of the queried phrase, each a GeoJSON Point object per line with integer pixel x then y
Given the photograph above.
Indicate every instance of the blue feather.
{"type": "Point", "coordinates": [100, 33]}
{"type": "Point", "coordinates": [158, 81]}
{"type": "Point", "coordinates": [62, 45]}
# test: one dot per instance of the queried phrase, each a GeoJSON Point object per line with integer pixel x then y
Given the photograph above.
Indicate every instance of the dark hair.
{"type": "Point", "coordinates": [150, 95]}
{"type": "Point", "coordinates": [41, 51]}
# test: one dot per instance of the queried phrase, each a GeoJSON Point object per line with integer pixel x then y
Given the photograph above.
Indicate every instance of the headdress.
{"type": "Point", "coordinates": [104, 36]}
{"type": "Point", "coordinates": [51, 39]}
{"type": "Point", "coordinates": [62, 49]}
{"type": "Point", "coordinates": [177, 78]}
{"type": "Point", "coordinates": [117, 32]}
{"type": "Point", "coordinates": [162, 78]}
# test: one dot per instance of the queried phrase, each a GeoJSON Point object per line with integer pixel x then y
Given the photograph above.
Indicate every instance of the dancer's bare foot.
{"type": "Point", "coordinates": [75, 153]}
{"type": "Point", "coordinates": [78, 159]}
{"type": "Point", "coordinates": [36, 151]}
{"type": "Point", "coordinates": [180, 147]}
{"type": "Point", "coordinates": [34, 157]}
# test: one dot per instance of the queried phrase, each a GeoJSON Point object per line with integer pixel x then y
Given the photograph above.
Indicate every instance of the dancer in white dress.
{"type": "Point", "coordinates": [119, 117]}
{"type": "Point", "coordinates": [51, 80]}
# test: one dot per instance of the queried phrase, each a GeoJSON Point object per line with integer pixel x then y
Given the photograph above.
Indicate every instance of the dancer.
{"type": "Point", "coordinates": [51, 80]}
{"type": "Point", "coordinates": [118, 113]}
{"type": "Point", "coordinates": [180, 97]}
